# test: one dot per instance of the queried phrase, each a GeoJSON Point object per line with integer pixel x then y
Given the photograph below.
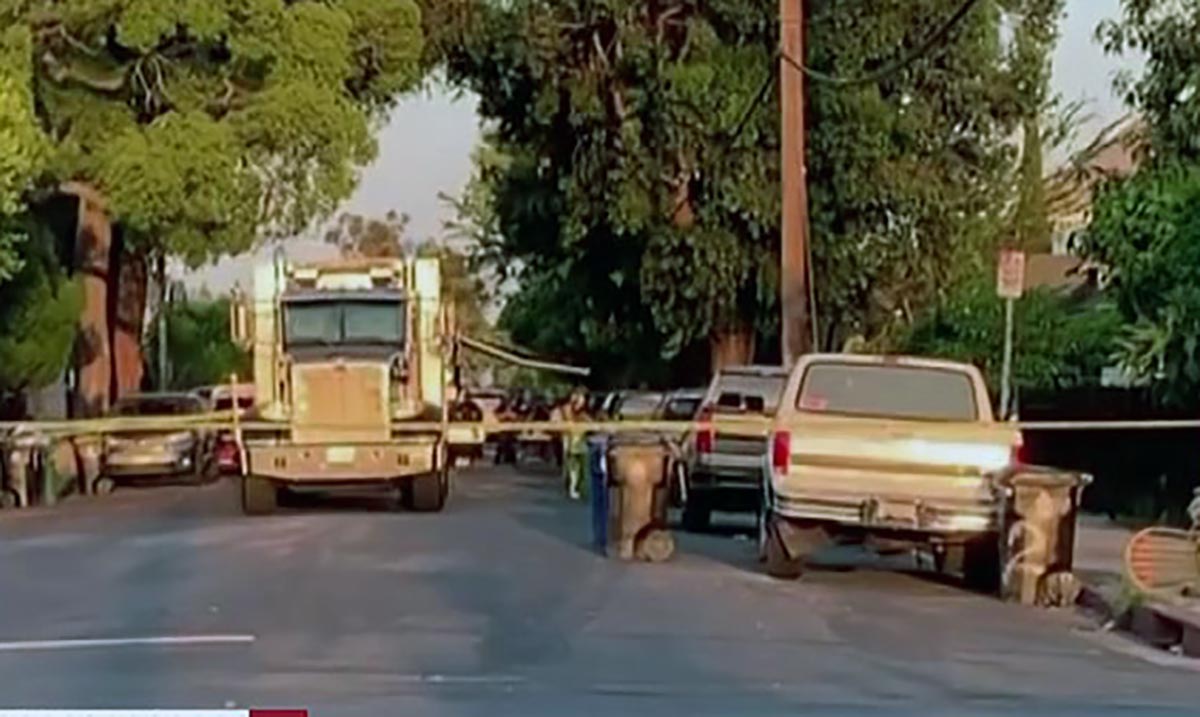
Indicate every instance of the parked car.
{"type": "Point", "coordinates": [681, 405]}
{"type": "Point", "coordinates": [226, 453]}
{"type": "Point", "coordinates": [895, 451]}
{"type": "Point", "coordinates": [639, 405]}
{"type": "Point", "coordinates": [159, 452]}
{"type": "Point", "coordinates": [725, 469]}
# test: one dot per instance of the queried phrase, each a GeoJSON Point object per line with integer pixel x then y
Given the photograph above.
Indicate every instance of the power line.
{"type": "Point", "coordinates": [891, 68]}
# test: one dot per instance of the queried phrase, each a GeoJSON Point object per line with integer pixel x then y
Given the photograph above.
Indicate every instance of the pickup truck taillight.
{"type": "Point", "coordinates": [781, 451]}
{"type": "Point", "coordinates": [1017, 452]}
{"type": "Point", "coordinates": [705, 440]}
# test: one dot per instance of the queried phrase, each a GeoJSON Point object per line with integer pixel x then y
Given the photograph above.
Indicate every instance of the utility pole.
{"type": "Point", "coordinates": [795, 326]}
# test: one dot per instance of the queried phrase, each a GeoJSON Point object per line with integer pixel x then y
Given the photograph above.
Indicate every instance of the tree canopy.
{"type": "Point", "coordinates": [1145, 227]}
{"type": "Point", "coordinates": [639, 201]}
{"type": "Point", "coordinates": [199, 347]}
{"type": "Point", "coordinates": [39, 307]}
{"type": "Point", "coordinates": [208, 124]}
{"type": "Point", "coordinates": [22, 145]}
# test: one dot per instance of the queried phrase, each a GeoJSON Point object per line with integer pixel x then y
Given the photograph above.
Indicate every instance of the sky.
{"type": "Point", "coordinates": [425, 149]}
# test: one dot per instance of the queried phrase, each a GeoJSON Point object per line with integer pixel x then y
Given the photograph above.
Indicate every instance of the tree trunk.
{"type": "Point", "coordinates": [127, 309]}
{"type": "Point", "coordinates": [93, 356]}
{"type": "Point", "coordinates": [731, 347]}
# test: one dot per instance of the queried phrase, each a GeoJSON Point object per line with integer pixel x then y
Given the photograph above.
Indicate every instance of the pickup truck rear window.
{"type": "Point", "coordinates": [746, 393]}
{"type": "Point", "coordinates": [880, 391]}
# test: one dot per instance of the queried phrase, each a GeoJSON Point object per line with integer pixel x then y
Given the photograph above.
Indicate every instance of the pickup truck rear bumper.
{"type": "Point", "coordinates": [886, 514]}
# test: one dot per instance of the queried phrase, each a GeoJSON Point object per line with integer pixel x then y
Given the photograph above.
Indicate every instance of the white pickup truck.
{"type": "Point", "coordinates": [895, 451]}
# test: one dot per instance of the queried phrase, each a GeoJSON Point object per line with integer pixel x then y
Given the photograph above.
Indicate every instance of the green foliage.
{"type": "Point", "coordinates": [181, 180]}
{"type": "Point", "coordinates": [1167, 34]}
{"type": "Point", "coordinates": [612, 133]}
{"type": "Point", "coordinates": [1145, 231]}
{"type": "Point", "coordinates": [38, 312]}
{"type": "Point", "coordinates": [1060, 342]}
{"type": "Point", "coordinates": [22, 144]}
{"type": "Point", "coordinates": [210, 123]}
{"type": "Point", "coordinates": [641, 212]}
{"type": "Point", "coordinates": [199, 348]}
{"type": "Point", "coordinates": [1145, 228]}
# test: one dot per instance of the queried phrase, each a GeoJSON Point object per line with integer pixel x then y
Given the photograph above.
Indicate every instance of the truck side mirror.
{"type": "Point", "coordinates": [239, 319]}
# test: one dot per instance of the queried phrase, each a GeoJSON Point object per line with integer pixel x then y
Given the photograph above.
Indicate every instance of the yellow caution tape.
{"type": "Point", "coordinates": [741, 426]}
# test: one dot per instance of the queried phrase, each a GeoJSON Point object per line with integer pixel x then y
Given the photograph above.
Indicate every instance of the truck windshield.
{"type": "Point", "coordinates": [901, 392]}
{"type": "Point", "coordinates": [344, 322]}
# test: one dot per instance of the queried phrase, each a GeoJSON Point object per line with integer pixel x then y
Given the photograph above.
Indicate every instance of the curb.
{"type": "Point", "coordinates": [1167, 627]}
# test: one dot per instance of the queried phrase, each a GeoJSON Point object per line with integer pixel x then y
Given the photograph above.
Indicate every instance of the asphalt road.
{"type": "Point", "coordinates": [497, 607]}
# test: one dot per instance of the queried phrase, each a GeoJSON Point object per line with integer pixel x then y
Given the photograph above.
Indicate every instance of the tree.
{"type": "Point", "coordinates": [1145, 227]}
{"type": "Point", "coordinates": [1061, 341]}
{"type": "Point", "coordinates": [1035, 34]}
{"type": "Point", "coordinates": [640, 193]}
{"type": "Point", "coordinates": [356, 235]}
{"type": "Point", "coordinates": [22, 144]}
{"type": "Point", "coordinates": [38, 310]}
{"type": "Point", "coordinates": [1145, 232]}
{"type": "Point", "coordinates": [199, 127]}
{"type": "Point", "coordinates": [1168, 35]}
{"type": "Point", "coordinates": [199, 347]}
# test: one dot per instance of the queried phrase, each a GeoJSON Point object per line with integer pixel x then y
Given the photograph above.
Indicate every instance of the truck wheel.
{"type": "Point", "coordinates": [780, 564]}
{"type": "Point", "coordinates": [980, 564]}
{"type": "Point", "coordinates": [103, 486]}
{"type": "Point", "coordinates": [429, 492]}
{"type": "Point", "coordinates": [697, 514]}
{"type": "Point", "coordinates": [259, 496]}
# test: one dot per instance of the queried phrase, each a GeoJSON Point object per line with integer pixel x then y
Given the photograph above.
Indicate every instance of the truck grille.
{"type": "Point", "coordinates": [340, 402]}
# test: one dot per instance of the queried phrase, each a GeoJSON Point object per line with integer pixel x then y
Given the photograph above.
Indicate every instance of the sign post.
{"type": "Point", "coordinates": [1010, 284]}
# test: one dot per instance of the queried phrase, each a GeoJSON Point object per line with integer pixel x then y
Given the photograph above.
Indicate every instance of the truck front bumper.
{"type": "Point", "coordinates": [342, 463]}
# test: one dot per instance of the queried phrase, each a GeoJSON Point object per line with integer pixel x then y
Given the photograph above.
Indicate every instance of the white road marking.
{"type": "Point", "coordinates": [158, 640]}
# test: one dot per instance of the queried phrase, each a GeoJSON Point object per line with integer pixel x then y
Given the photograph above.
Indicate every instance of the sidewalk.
{"type": "Point", "coordinates": [1099, 564]}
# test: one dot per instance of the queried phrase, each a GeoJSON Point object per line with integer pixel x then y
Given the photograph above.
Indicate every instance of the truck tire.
{"type": "Point", "coordinates": [697, 513]}
{"type": "Point", "coordinates": [259, 496]}
{"type": "Point", "coordinates": [979, 561]}
{"type": "Point", "coordinates": [103, 485]}
{"type": "Point", "coordinates": [780, 563]}
{"type": "Point", "coordinates": [428, 492]}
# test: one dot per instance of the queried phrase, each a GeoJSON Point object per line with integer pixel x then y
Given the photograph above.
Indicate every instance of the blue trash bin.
{"type": "Point", "coordinates": [598, 490]}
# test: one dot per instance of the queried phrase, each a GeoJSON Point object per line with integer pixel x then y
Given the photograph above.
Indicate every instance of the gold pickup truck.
{"type": "Point", "coordinates": [897, 452]}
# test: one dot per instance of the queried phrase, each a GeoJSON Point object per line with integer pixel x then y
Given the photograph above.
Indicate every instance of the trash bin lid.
{"type": "Point", "coordinates": [1044, 477]}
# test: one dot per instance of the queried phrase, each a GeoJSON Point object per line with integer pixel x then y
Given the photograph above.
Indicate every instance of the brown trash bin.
{"type": "Point", "coordinates": [1038, 532]}
{"type": "Point", "coordinates": [637, 500]}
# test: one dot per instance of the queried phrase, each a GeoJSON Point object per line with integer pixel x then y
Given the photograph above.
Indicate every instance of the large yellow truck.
{"type": "Point", "coordinates": [346, 353]}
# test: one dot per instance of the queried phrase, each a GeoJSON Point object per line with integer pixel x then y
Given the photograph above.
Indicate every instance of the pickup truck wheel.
{"type": "Point", "coordinates": [428, 492]}
{"type": "Point", "coordinates": [259, 496]}
{"type": "Point", "coordinates": [981, 568]}
{"type": "Point", "coordinates": [697, 514]}
{"type": "Point", "coordinates": [103, 486]}
{"type": "Point", "coordinates": [780, 564]}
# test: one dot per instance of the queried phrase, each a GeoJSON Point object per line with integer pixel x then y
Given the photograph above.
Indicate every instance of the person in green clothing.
{"type": "Point", "coordinates": [574, 443]}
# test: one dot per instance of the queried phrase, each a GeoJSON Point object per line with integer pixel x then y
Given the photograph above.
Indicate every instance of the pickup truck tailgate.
{"type": "Point", "coordinates": [887, 472]}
